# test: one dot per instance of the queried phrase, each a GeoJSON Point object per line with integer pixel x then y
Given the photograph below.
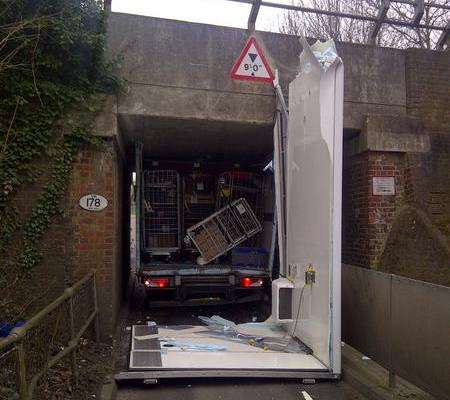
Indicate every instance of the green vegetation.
{"type": "Point", "coordinates": [52, 72]}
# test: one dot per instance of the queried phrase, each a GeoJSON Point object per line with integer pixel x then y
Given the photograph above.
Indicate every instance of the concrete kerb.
{"type": "Point", "coordinates": [109, 389]}
{"type": "Point", "coordinates": [371, 380]}
{"type": "Point", "coordinates": [364, 386]}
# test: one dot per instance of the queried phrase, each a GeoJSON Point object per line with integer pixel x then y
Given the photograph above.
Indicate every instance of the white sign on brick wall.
{"type": "Point", "coordinates": [383, 185]}
{"type": "Point", "coordinates": [93, 202]}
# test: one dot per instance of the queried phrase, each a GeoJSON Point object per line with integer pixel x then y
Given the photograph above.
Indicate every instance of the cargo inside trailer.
{"type": "Point", "coordinates": [178, 195]}
{"type": "Point", "coordinates": [185, 259]}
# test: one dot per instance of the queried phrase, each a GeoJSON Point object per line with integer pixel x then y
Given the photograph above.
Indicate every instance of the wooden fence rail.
{"type": "Point", "coordinates": [29, 352]}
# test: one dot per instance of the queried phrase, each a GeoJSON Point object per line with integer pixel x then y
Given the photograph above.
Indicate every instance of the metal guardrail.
{"type": "Point", "coordinates": [377, 20]}
{"type": "Point", "coordinates": [401, 323]}
{"type": "Point", "coordinates": [31, 350]}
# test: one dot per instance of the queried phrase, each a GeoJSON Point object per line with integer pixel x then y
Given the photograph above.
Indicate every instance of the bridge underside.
{"type": "Point", "coordinates": [188, 139]}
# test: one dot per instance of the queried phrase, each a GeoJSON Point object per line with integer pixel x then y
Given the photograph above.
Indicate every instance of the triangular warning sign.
{"type": "Point", "coordinates": [252, 65]}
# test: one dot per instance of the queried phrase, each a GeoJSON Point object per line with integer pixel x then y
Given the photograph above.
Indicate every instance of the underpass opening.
{"type": "Point", "coordinates": [186, 172]}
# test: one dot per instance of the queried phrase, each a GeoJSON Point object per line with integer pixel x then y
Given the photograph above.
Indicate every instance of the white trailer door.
{"type": "Point", "coordinates": [314, 181]}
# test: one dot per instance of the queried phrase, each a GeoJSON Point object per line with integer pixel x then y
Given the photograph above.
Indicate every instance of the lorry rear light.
{"type": "Point", "coordinates": [157, 282]}
{"type": "Point", "coordinates": [251, 282]}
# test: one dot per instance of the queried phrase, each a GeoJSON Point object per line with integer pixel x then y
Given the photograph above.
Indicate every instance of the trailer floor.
{"type": "Point", "coordinates": [214, 388]}
{"type": "Point", "coordinates": [138, 313]}
{"type": "Point", "coordinates": [163, 356]}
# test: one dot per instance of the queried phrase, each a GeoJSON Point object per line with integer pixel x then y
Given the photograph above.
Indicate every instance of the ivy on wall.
{"type": "Point", "coordinates": [52, 71]}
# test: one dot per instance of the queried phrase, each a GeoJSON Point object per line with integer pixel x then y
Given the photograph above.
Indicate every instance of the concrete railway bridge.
{"type": "Point", "coordinates": [179, 93]}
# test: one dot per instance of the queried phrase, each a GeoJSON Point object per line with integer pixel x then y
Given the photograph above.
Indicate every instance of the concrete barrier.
{"type": "Point", "coordinates": [402, 324]}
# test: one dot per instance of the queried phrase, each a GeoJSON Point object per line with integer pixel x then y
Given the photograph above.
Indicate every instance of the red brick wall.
{"type": "Point", "coordinates": [382, 208]}
{"type": "Point", "coordinates": [48, 279]}
{"type": "Point", "coordinates": [77, 240]}
{"type": "Point", "coordinates": [367, 218]}
{"type": "Point", "coordinates": [97, 236]}
{"type": "Point", "coordinates": [428, 97]}
{"type": "Point", "coordinates": [355, 218]}
{"type": "Point", "coordinates": [428, 86]}
{"type": "Point", "coordinates": [422, 185]}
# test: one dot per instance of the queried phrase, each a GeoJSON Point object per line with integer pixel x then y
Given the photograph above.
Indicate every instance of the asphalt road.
{"type": "Point", "coordinates": [248, 389]}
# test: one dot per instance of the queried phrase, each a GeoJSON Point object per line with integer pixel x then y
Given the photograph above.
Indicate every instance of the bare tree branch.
{"type": "Point", "coordinates": [344, 29]}
{"type": "Point", "coordinates": [10, 126]}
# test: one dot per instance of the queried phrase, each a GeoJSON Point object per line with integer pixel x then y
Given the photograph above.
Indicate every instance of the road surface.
{"type": "Point", "coordinates": [249, 389]}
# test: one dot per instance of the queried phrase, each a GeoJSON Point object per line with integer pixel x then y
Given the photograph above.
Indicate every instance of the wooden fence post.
{"type": "Point", "coordinates": [22, 370]}
{"type": "Point", "coordinates": [97, 321]}
{"type": "Point", "coordinates": [391, 377]}
{"type": "Point", "coordinates": [73, 355]}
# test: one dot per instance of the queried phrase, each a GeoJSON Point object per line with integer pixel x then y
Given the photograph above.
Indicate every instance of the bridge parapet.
{"type": "Point", "coordinates": [181, 70]}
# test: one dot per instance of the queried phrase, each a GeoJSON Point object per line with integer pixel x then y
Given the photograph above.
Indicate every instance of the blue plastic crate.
{"type": "Point", "coordinates": [249, 257]}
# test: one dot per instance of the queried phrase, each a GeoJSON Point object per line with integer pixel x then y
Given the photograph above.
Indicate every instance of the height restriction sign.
{"type": "Point", "coordinates": [252, 65]}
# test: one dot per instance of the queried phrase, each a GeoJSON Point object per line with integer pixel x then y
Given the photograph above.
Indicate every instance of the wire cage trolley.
{"type": "Point", "coordinates": [224, 230]}
{"type": "Point", "coordinates": [236, 184]}
{"type": "Point", "coordinates": [162, 227]}
{"type": "Point", "coordinates": [199, 197]}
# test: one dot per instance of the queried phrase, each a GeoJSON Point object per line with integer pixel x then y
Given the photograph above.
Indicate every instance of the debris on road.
{"type": "Point", "coordinates": [306, 396]}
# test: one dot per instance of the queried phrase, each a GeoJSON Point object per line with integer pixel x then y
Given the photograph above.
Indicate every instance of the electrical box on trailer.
{"type": "Point", "coordinates": [282, 292]}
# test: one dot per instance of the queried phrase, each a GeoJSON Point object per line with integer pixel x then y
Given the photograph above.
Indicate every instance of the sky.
{"type": "Point", "coordinates": [216, 12]}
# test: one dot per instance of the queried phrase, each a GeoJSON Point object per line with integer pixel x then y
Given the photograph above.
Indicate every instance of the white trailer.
{"type": "Point", "coordinates": [308, 181]}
